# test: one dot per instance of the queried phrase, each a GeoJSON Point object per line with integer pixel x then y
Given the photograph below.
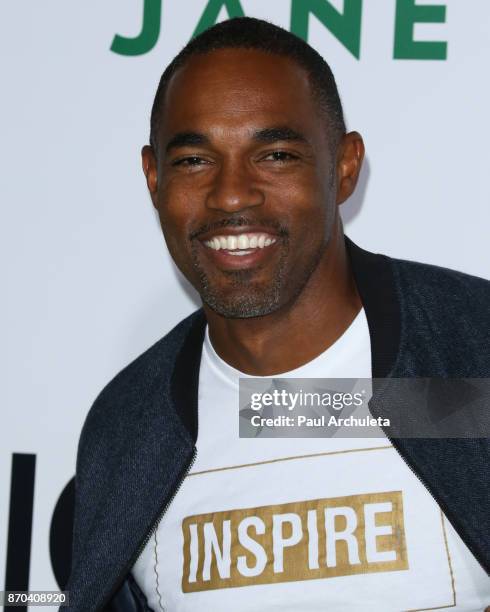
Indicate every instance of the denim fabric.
{"type": "Point", "coordinates": [132, 450]}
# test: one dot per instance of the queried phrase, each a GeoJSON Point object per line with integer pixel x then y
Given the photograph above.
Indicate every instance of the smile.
{"type": "Point", "coordinates": [246, 250]}
{"type": "Point", "coordinates": [240, 244]}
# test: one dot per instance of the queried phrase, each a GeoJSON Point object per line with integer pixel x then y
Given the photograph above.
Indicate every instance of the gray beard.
{"type": "Point", "coordinates": [247, 301]}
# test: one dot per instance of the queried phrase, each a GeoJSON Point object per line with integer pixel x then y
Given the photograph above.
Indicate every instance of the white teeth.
{"type": "Point", "coordinates": [241, 243]}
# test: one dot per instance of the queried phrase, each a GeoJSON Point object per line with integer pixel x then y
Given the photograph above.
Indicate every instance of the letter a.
{"type": "Point", "coordinates": [346, 26]}
{"type": "Point", "coordinates": [212, 11]}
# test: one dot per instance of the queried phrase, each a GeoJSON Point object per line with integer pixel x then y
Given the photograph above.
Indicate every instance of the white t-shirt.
{"type": "Point", "coordinates": [295, 524]}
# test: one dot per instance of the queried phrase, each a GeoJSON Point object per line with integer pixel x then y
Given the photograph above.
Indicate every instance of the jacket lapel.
{"type": "Point", "coordinates": [374, 280]}
{"type": "Point", "coordinates": [185, 378]}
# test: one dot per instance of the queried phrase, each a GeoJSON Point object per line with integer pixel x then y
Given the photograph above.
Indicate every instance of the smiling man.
{"type": "Point", "coordinates": [247, 165]}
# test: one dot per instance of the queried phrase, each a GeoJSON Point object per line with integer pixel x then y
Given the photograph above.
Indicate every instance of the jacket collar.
{"type": "Point", "coordinates": [185, 378]}
{"type": "Point", "coordinates": [375, 282]}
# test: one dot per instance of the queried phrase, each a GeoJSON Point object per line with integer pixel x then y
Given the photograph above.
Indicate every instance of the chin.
{"type": "Point", "coordinates": [245, 306]}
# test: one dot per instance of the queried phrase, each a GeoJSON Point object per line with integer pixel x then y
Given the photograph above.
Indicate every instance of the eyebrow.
{"type": "Point", "coordinates": [186, 139]}
{"type": "Point", "coordinates": [274, 134]}
{"type": "Point", "coordinates": [265, 135]}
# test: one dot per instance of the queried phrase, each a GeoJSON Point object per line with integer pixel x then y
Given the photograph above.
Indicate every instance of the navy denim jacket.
{"type": "Point", "coordinates": [139, 437]}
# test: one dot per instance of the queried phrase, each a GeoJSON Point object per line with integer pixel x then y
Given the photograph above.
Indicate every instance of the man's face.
{"type": "Point", "coordinates": [246, 183]}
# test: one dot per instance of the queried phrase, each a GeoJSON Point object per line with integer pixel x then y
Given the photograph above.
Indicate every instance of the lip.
{"type": "Point", "coordinates": [223, 259]}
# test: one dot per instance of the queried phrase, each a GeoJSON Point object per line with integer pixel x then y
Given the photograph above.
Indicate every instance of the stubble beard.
{"type": "Point", "coordinates": [246, 300]}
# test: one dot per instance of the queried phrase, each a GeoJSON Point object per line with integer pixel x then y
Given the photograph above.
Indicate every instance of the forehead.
{"type": "Point", "coordinates": [236, 89]}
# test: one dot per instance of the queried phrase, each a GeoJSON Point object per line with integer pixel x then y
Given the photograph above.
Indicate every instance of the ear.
{"type": "Point", "coordinates": [149, 163]}
{"type": "Point", "coordinates": [350, 154]}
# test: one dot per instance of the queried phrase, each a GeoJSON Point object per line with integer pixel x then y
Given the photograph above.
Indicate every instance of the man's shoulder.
{"type": "Point", "coordinates": [157, 360]}
{"type": "Point", "coordinates": [145, 376]}
{"type": "Point", "coordinates": [441, 288]}
{"type": "Point", "coordinates": [415, 283]}
{"type": "Point", "coordinates": [445, 319]}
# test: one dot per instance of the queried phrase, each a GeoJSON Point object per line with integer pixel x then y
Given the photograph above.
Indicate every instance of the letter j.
{"type": "Point", "coordinates": [147, 38]}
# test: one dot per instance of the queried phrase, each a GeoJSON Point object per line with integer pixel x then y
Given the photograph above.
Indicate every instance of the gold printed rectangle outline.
{"type": "Point", "coordinates": [451, 574]}
{"type": "Point", "coordinates": [291, 458]}
{"type": "Point", "coordinates": [297, 568]}
{"type": "Point", "coordinates": [353, 450]}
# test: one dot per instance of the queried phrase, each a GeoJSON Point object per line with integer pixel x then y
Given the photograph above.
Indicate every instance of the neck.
{"type": "Point", "coordinates": [295, 333]}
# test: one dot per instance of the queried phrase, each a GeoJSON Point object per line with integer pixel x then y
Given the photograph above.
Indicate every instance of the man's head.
{"type": "Point", "coordinates": [248, 161]}
{"type": "Point", "coordinates": [250, 33]}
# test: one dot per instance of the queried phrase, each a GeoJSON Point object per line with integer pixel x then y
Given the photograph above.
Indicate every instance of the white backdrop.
{"type": "Point", "coordinates": [89, 284]}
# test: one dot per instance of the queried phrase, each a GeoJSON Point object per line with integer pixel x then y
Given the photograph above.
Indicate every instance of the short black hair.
{"type": "Point", "coordinates": [252, 33]}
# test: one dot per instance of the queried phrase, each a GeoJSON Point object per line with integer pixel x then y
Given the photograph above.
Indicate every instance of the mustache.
{"type": "Point", "coordinates": [279, 227]}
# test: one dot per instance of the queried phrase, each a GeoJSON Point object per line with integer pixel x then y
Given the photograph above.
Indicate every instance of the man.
{"type": "Point", "coordinates": [248, 162]}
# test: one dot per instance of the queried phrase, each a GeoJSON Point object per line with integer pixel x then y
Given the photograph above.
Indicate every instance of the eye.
{"type": "Point", "coordinates": [280, 156]}
{"type": "Point", "coordinates": [190, 160]}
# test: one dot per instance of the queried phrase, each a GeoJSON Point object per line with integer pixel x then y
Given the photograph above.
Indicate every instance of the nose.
{"type": "Point", "coordinates": [233, 189]}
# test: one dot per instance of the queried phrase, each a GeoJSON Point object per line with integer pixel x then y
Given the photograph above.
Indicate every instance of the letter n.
{"type": "Point", "coordinates": [346, 26]}
{"type": "Point", "coordinates": [212, 11]}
